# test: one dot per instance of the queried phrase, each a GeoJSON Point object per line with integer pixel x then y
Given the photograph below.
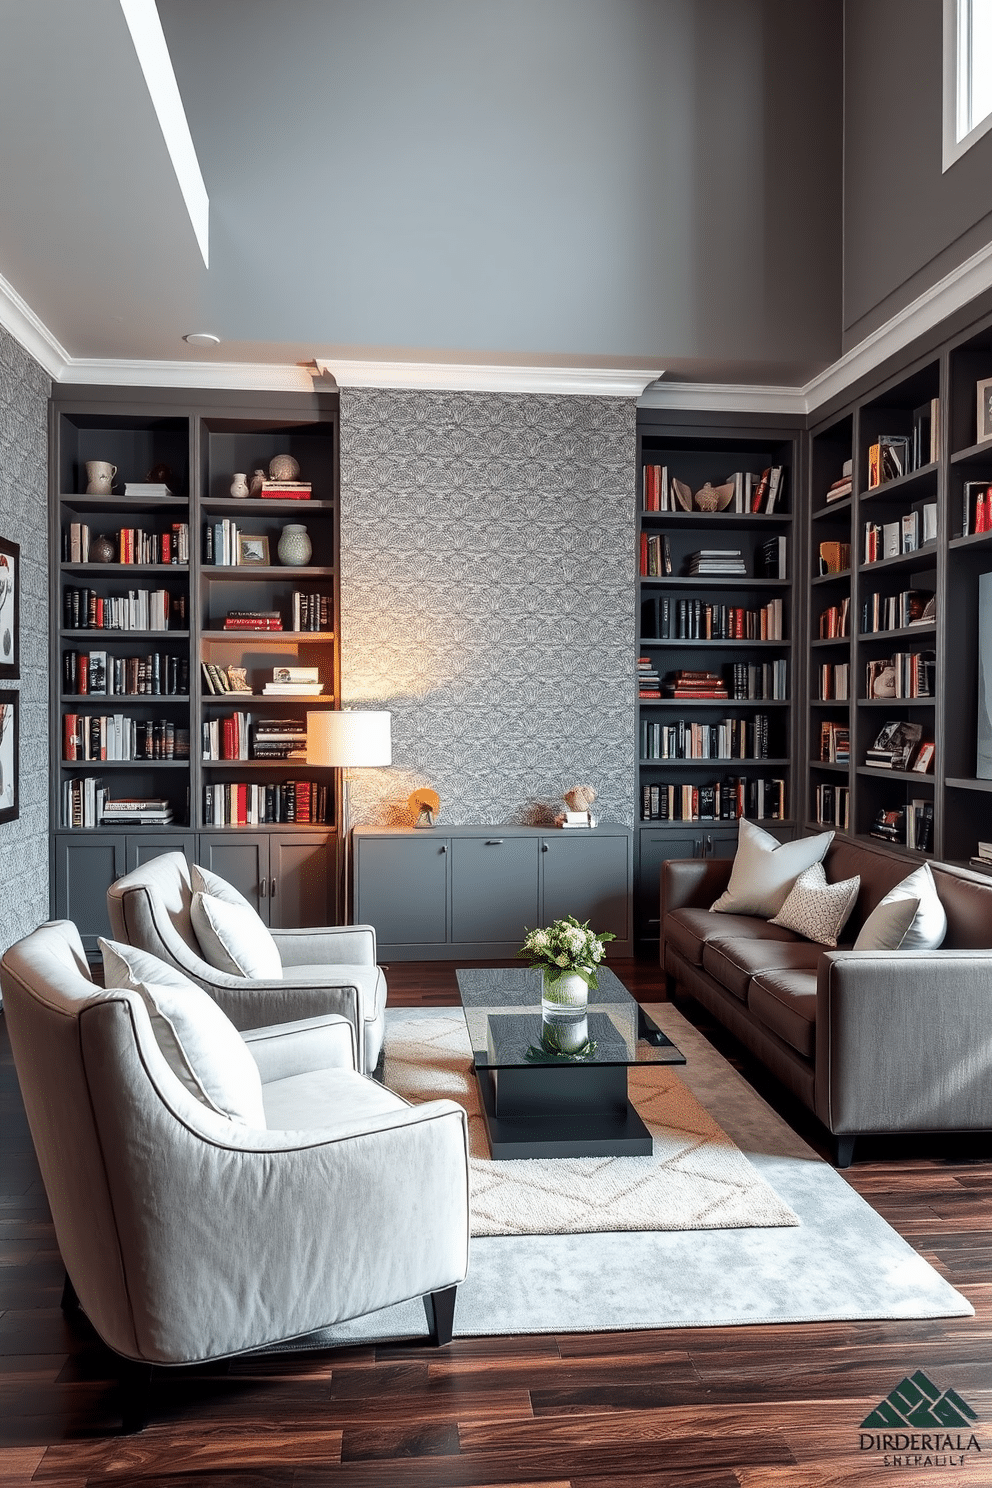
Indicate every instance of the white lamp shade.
{"type": "Point", "coordinates": [345, 739]}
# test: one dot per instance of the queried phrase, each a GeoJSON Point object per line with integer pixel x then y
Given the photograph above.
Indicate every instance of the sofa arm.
{"type": "Point", "coordinates": [328, 945]}
{"type": "Point", "coordinates": [302, 1047]}
{"type": "Point", "coordinates": [692, 883]}
{"type": "Point", "coordinates": [904, 1041]}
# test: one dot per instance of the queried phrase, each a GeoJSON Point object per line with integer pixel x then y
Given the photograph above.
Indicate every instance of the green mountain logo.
{"type": "Point", "coordinates": [918, 1402]}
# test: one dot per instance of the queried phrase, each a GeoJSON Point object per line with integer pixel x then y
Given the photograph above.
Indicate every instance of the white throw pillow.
{"type": "Point", "coordinates": [765, 869]}
{"type": "Point", "coordinates": [233, 938]}
{"type": "Point", "coordinates": [198, 1041]}
{"type": "Point", "coordinates": [891, 926]}
{"type": "Point", "coordinates": [816, 909]}
{"type": "Point", "coordinates": [205, 882]}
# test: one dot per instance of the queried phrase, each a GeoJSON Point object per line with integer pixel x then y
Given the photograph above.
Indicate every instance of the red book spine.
{"type": "Point", "coordinates": [644, 555]}
{"type": "Point", "coordinates": [83, 673]}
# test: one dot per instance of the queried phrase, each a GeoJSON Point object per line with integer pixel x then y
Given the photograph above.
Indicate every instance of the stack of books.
{"type": "Point", "coordinates": [983, 857]}
{"type": "Point", "coordinates": [696, 685]}
{"type": "Point", "coordinates": [895, 746]}
{"type": "Point", "coordinates": [717, 561]}
{"type": "Point", "coordinates": [648, 681]}
{"type": "Point", "coordinates": [294, 681]}
{"type": "Point", "coordinates": [253, 620]}
{"type": "Point", "coordinates": [279, 739]}
{"type": "Point", "coordinates": [282, 490]}
{"type": "Point", "coordinates": [136, 811]}
{"type": "Point", "coordinates": [841, 488]}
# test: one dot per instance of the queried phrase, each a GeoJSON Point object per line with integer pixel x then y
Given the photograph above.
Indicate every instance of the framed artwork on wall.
{"type": "Point", "coordinates": [9, 755]}
{"type": "Point", "coordinates": [10, 609]}
{"type": "Point", "coordinates": [984, 410]}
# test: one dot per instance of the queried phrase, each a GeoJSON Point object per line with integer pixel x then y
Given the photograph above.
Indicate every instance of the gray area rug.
{"type": "Point", "coordinates": [842, 1261]}
{"type": "Point", "coordinates": [696, 1179]}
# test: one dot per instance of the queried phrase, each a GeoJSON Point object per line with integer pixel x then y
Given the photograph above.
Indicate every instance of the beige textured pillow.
{"type": "Point", "coordinates": [765, 869]}
{"type": "Point", "coordinates": [909, 918]}
{"type": "Point", "coordinates": [233, 938]}
{"type": "Point", "coordinates": [816, 909]}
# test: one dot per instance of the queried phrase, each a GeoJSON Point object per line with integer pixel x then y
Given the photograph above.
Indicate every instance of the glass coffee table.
{"type": "Point", "coordinates": [538, 1104]}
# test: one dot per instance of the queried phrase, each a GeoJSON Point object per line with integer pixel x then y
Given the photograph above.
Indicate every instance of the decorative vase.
{"type": "Point", "coordinates": [564, 999]}
{"type": "Point", "coordinates": [239, 485]}
{"type": "Point", "coordinates": [294, 547]}
{"type": "Point", "coordinates": [565, 1035]}
{"type": "Point", "coordinates": [102, 549]}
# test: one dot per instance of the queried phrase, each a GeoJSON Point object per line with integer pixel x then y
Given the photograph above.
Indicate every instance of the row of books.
{"type": "Point", "coordinates": [746, 681]}
{"type": "Point", "coordinates": [900, 745]}
{"type": "Point", "coordinates": [905, 674]}
{"type": "Point", "coordinates": [835, 620]}
{"type": "Point", "coordinates": [254, 804]}
{"type": "Point", "coordinates": [881, 612]}
{"type": "Point", "coordinates": [976, 514]}
{"type": "Point", "coordinates": [835, 743]}
{"type": "Point", "coordinates": [252, 620]}
{"type": "Point", "coordinates": [913, 530]}
{"type": "Point", "coordinates": [286, 681]}
{"type": "Point", "coordinates": [832, 805]}
{"type": "Point", "coordinates": [895, 455]}
{"type": "Point", "coordinates": [906, 826]}
{"type": "Point", "coordinates": [834, 557]}
{"type": "Point", "coordinates": [731, 738]}
{"type": "Point", "coordinates": [667, 619]}
{"type": "Point", "coordinates": [834, 681]}
{"type": "Point", "coordinates": [85, 803]}
{"type": "Point", "coordinates": [751, 493]}
{"type": "Point", "coordinates": [139, 609]}
{"type": "Point", "coordinates": [94, 673]}
{"type": "Point", "coordinates": [760, 680]}
{"type": "Point", "coordinates": [220, 543]}
{"type": "Point", "coordinates": [119, 736]}
{"type": "Point", "coordinates": [309, 612]}
{"type": "Point", "coordinates": [695, 684]}
{"type": "Point", "coordinates": [656, 555]}
{"type": "Point", "coordinates": [238, 737]}
{"type": "Point", "coordinates": [726, 800]}
{"type": "Point", "coordinates": [134, 544]}
{"type": "Point", "coordinates": [283, 490]}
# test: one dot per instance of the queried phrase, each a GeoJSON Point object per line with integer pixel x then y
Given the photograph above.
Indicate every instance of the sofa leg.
{"type": "Point", "coordinates": [440, 1310]}
{"type": "Point", "coordinates": [135, 1384]}
{"type": "Point", "coordinates": [845, 1151]}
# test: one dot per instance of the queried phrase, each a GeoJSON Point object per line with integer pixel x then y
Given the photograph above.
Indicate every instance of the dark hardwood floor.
{"type": "Point", "coordinates": [756, 1407]}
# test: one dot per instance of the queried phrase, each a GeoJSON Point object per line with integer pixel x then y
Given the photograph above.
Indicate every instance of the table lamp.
{"type": "Point", "coordinates": [348, 739]}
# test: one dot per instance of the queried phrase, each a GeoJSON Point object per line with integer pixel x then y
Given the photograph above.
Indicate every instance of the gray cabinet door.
{"type": "Point", "coordinates": [85, 867]}
{"type": "Point", "coordinates": [589, 877]}
{"type": "Point", "coordinates": [494, 888]}
{"type": "Point", "coordinates": [401, 887]}
{"type": "Point", "coordinates": [656, 848]}
{"type": "Point", "coordinates": [142, 849]}
{"type": "Point", "coordinates": [301, 880]}
{"type": "Point", "coordinates": [242, 859]}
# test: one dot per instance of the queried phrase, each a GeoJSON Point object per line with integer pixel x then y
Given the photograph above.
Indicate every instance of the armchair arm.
{"type": "Point", "coordinates": [327, 945]}
{"type": "Point", "coordinates": [692, 883]}
{"type": "Point", "coordinates": [904, 1041]}
{"type": "Point", "coordinates": [302, 1047]}
{"type": "Point", "coordinates": [253, 1003]}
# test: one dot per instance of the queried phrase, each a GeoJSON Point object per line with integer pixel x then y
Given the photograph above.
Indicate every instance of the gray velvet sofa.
{"type": "Point", "coordinates": [872, 1041]}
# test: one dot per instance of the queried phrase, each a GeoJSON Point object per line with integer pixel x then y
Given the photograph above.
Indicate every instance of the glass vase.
{"type": "Point", "coordinates": [565, 998]}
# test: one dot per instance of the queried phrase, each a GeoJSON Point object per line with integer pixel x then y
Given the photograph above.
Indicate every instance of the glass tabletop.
{"type": "Point", "coordinates": [502, 1008]}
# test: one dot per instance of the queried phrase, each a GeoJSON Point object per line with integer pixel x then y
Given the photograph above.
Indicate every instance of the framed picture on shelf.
{"type": "Point", "coordinates": [9, 755]}
{"type": "Point", "coordinates": [10, 609]}
{"type": "Point", "coordinates": [252, 550]}
{"type": "Point", "coordinates": [984, 410]}
{"type": "Point", "coordinates": [924, 758]}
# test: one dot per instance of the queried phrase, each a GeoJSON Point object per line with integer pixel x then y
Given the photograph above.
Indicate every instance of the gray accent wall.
{"type": "Point", "coordinates": [488, 599]}
{"type": "Point", "coordinates": [24, 392]}
{"type": "Point", "coordinates": [907, 223]}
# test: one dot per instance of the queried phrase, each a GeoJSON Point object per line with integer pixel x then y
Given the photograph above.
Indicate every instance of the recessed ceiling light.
{"type": "Point", "coordinates": [202, 338]}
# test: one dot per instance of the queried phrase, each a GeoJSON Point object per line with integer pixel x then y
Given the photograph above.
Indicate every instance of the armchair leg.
{"type": "Point", "coordinates": [135, 1384]}
{"type": "Point", "coordinates": [845, 1151]}
{"type": "Point", "coordinates": [440, 1310]}
{"type": "Point", "coordinates": [70, 1302]}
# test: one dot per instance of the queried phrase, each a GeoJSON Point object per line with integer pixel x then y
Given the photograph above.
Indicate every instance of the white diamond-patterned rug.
{"type": "Point", "coordinates": [696, 1179]}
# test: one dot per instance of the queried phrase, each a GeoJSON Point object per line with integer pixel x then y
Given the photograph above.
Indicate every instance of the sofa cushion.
{"type": "Point", "coordinates": [688, 930]}
{"type": "Point", "coordinates": [733, 962]}
{"type": "Point", "coordinates": [785, 1002]}
{"type": "Point", "coordinates": [925, 930]}
{"type": "Point", "coordinates": [816, 909]}
{"type": "Point", "coordinates": [765, 869]}
{"type": "Point", "coordinates": [234, 939]}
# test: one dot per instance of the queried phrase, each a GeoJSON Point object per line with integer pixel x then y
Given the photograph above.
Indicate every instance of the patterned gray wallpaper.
{"type": "Point", "coordinates": [24, 392]}
{"type": "Point", "coordinates": [488, 599]}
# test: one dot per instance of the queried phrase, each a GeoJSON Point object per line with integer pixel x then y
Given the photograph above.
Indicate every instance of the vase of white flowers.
{"type": "Point", "coordinates": [568, 953]}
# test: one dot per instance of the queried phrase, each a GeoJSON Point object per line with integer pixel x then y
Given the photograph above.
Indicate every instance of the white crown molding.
{"type": "Point", "coordinates": [599, 382]}
{"type": "Point", "coordinates": [723, 397]}
{"type": "Point", "coordinates": [17, 317]}
{"type": "Point", "coordinates": [943, 299]}
{"type": "Point", "coordinates": [237, 376]}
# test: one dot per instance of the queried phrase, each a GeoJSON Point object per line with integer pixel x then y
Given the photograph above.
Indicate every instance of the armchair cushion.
{"type": "Point", "coordinates": [233, 938]}
{"type": "Point", "coordinates": [202, 881]}
{"type": "Point", "coordinates": [126, 966]}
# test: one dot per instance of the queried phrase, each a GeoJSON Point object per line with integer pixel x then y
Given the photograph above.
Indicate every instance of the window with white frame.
{"type": "Point", "coordinates": [967, 75]}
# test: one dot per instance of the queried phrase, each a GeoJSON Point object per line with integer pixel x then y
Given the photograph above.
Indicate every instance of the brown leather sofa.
{"type": "Point", "coordinates": [872, 1041]}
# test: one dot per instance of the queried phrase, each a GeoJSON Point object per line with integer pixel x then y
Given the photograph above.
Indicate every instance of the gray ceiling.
{"type": "Point", "coordinates": [567, 182]}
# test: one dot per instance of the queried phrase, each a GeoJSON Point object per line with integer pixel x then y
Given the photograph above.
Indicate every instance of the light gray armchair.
{"type": "Point", "coordinates": [189, 1236]}
{"type": "Point", "coordinates": [330, 969]}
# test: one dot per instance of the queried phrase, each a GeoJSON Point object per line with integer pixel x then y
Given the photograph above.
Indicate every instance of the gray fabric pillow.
{"type": "Point", "coordinates": [126, 966]}
{"type": "Point", "coordinates": [234, 939]}
{"type": "Point", "coordinates": [816, 909]}
{"type": "Point", "coordinates": [765, 869]}
{"type": "Point", "coordinates": [891, 926]}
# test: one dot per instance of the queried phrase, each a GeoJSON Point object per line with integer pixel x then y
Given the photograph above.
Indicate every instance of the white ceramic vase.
{"type": "Point", "coordinates": [565, 997]}
{"type": "Point", "coordinates": [295, 548]}
{"type": "Point", "coordinates": [239, 485]}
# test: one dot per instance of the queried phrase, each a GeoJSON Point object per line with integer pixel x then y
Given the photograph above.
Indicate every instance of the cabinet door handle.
{"type": "Point", "coordinates": [494, 842]}
{"type": "Point", "coordinates": [263, 888]}
{"type": "Point", "coordinates": [272, 888]}
{"type": "Point", "coordinates": [545, 847]}
{"type": "Point", "coordinates": [442, 849]}
{"type": "Point", "coordinates": [709, 845]}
